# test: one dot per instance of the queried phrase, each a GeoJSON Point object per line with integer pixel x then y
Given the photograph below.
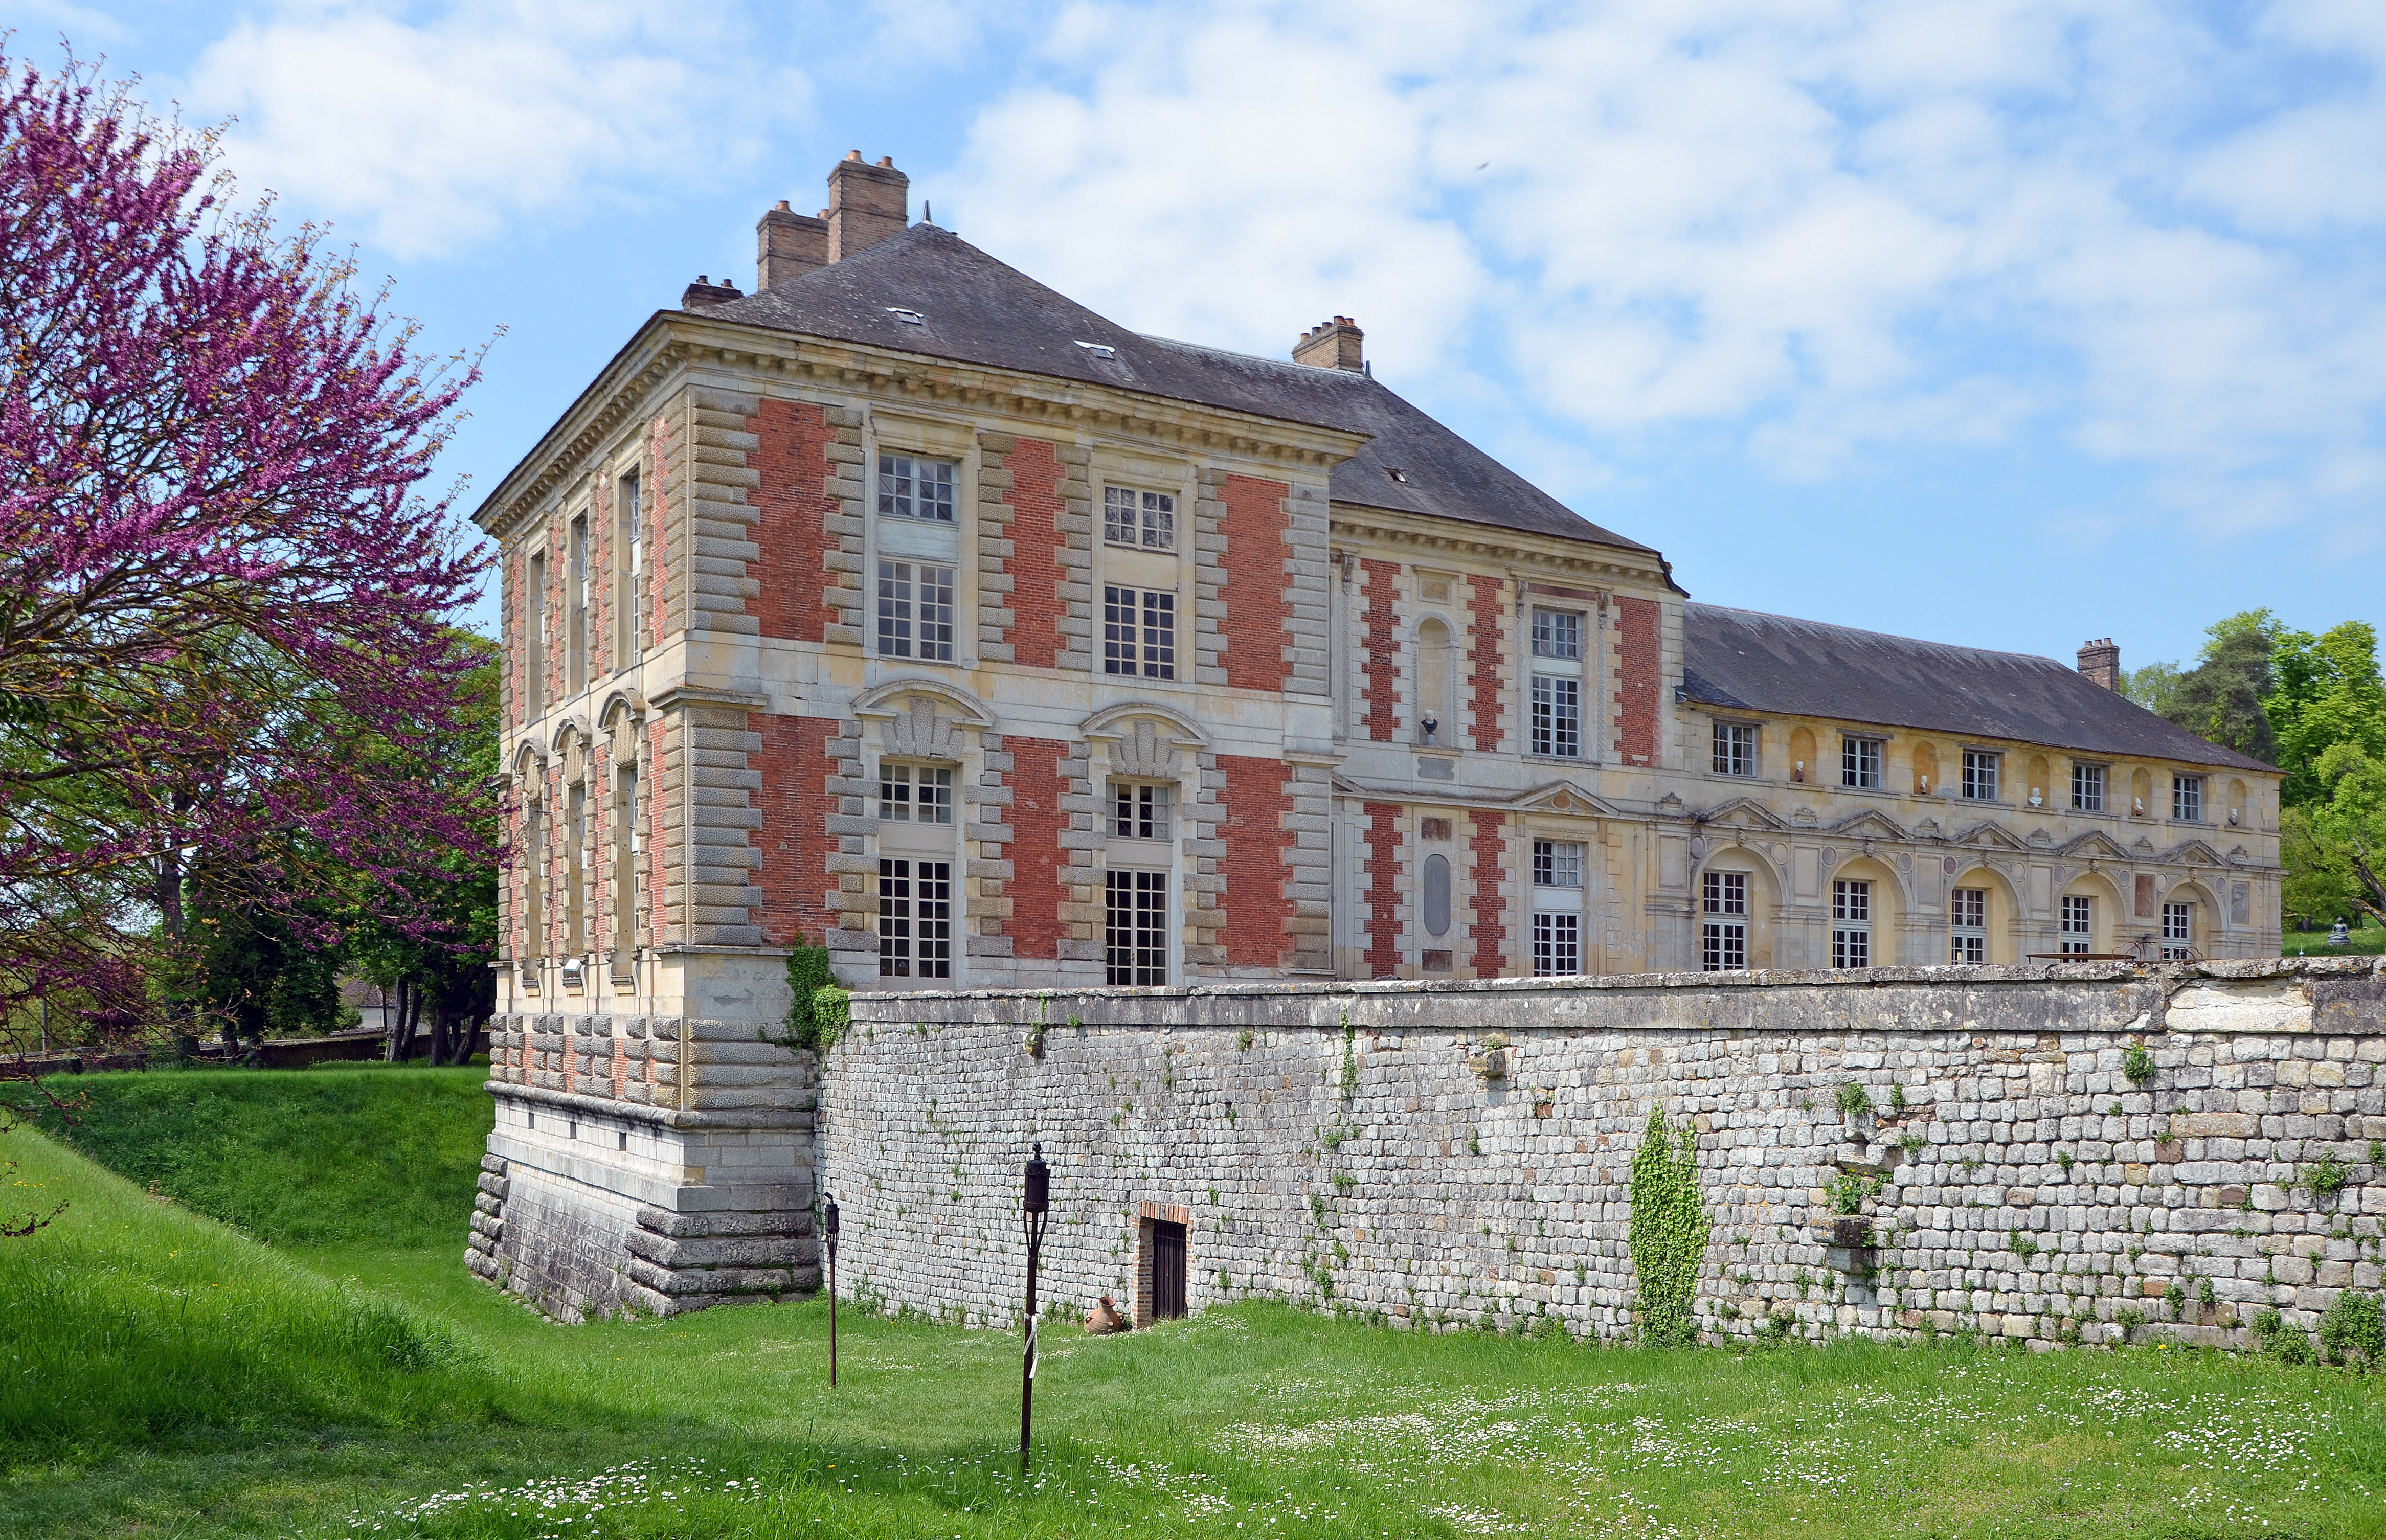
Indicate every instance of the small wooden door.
{"type": "Point", "coordinates": [1167, 1271]}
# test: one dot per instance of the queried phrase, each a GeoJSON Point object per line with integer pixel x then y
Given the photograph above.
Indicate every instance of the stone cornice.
{"type": "Point", "coordinates": [1527, 556]}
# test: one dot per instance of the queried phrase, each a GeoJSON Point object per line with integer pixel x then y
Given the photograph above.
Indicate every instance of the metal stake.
{"type": "Point", "coordinates": [828, 1233]}
{"type": "Point", "coordinates": [1034, 1210]}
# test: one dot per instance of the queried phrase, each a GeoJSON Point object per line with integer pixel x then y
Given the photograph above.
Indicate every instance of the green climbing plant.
{"type": "Point", "coordinates": [821, 1008]}
{"type": "Point", "coordinates": [1669, 1231]}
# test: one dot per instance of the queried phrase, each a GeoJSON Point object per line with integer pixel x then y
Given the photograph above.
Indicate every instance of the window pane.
{"type": "Point", "coordinates": [1557, 864]}
{"type": "Point", "coordinates": [2087, 788]}
{"type": "Point", "coordinates": [1557, 634]}
{"type": "Point", "coordinates": [936, 613]}
{"type": "Point", "coordinates": [1159, 634]}
{"type": "Point", "coordinates": [1850, 900]}
{"type": "Point", "coordinates": [1723, 947]}
{"type": "Point", "coordinates": [936, 796]}
{"type": "Point", "coordinates": [1557, 717]}
{"type": "Point", "coordinates": [1158, 521]}
{"type": "Point", "coordinates": [2187, 798]}
{"type": "Point", "coordinates": [895, 793]}
{"type": "Point", "coordinates": [895, 609]}
{"type": "Point", "coordinates": [1557, 945]}
{"type": "Point", "coordinates": [931, 903]}
{"type": "Point", "coordinates": [1980, 775]}
{"type": "Point", "coordinates": [910, 488]}
{"type": "Point", "coordinates": [1860, 763]}
{"type": "Point", "coordinates": [895, 920]}
{"type": "Point", "coordinates": [1725, 891]}
{"type": "Point", "coordinates": [1136, 929]}
{"type": "Point", "coordinates": [1118, 516]}
{"type": "Point", "coordinates": [1735, 750]}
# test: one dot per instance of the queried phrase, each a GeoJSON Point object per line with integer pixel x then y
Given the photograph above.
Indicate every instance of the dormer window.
{"type": "Point", "coordinates": [1099, 350]}
{"type": "Point", "coordinates": [907, 317]}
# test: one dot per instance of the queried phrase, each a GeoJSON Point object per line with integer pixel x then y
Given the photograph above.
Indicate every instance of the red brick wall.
{"type": "Point", "coordinates": [1483, 653]}
{"type": "Point", "coordinates": [795, 803]}
{"type": "Point", "coordinates": [1383, 889]}
{"type": "Point", "coordinates": [1034, 562]}
{"type": "Point", "coordinates": [1383, 649]}
{"type": "Point", "coordinates": [1637, 663]}
{"type": "Point", "coordinates": [795, 467]}
{"type": "Point", "coordinates": [1256, 904]}
{"type": "Point", "coordinates": [1037, 860]}
{"type": "Point", "coordinates": [1257, 610]}
{"type": "Point", "coordinates": [1490, 927]}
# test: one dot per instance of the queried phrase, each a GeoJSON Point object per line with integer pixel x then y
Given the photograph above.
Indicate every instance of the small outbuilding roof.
{"type": "Point", "coordinates": [928, 292]}
{"type": "Point", "coordinates": [1742, 659]}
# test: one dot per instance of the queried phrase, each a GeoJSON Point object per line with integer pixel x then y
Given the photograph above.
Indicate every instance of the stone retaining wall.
{"type": "Point", "coordinates": [1460, 1153]}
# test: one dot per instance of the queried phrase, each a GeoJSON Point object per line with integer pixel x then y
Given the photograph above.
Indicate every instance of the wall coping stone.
{"type": "Point", "coordinates": [799, 1119]}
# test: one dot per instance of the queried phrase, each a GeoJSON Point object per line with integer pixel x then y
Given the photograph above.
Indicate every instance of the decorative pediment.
{"type": "Point", "coordinates": [1118, 721]}
{"type": "Point", "coordinates": [1869, 825]}
{"type": "Point", "coordinates": [2196, 852]}
{"type": "Point", "coordinates": [530, 756]}
{"type": "Point", "coordinates": [623, 702]}
{"type": "Point", "coordinates": [2095, 845]}
{"type": "Point", "coordinates": [567, 731]}
{"type": "Point", "coordinates": [921, 731]}
{"type": "Point", "coordinates": [1928, 829]}
{"type": "Point", "coordinates": [1564, 796]}
{"type": "Point", "coordinates": [2143, 848]}
{"type": "Point", "coordinates": [1804, 818]}
{"type": "Point", "coordinates": [898, 697]}
{"type": "Point", "coordinates": [2238, 856]}
{"type": "Point", "coordinates": [1671, 806]}
{"type": "Point", "coordinates": [1145, 751]}
{"type": "Point", "coordinates": [1743, 812]}
{"type": "Point", "coordinates": [2041, 840]}
{"type": "Point", "coordinates": [1988, 835]}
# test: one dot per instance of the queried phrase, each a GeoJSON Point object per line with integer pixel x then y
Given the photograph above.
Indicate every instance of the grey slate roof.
{"type": "Point", "coordinates": [975, 309]}
{"type": "Point", "coordinates": [1744, 660]}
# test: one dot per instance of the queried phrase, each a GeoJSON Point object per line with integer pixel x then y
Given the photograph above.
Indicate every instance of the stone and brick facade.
{"type": "Point", "coordinates": [905, 608]}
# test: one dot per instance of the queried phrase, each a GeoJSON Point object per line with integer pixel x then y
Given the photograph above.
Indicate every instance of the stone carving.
{"type": "Point", "coordinates": [2241, 903]}
{"type": "Point", "coordinates": [1144, 753]}
{"type": "Point", "coordinates": [919, 733]}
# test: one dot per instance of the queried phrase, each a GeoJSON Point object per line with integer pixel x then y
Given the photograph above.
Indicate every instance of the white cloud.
{"type": "Point", "coordinates": [1831, 226]}
{"type": "Point", "coordinates": [436, 133]}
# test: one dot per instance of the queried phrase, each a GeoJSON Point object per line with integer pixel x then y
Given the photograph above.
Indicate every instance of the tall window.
{"type": "Point", "coordinates": [915, 919]}
{"type": "Point", "coordinates": [575, 600]}
{"type": "Point", "coordinates": [1735, 748]}
{"type": "Point", "coordinates": [1723, 930]}
{"type": "Point", "coordinates": [915, 611]}
{"type": "Point", "coordinates": [914, 794]}
{"type": "Point", "coordinates": [1980, 774]}
{"type": "Point", "coordinates": [1139, 812]}
{"type": "Point", "coordinates": [2087, 788]}
{"type": "Point", "coordinates": [629, 571]}
{"type": "Point", "coordinates": [1557, 685]}
{"type": "Point", "coordinates": [2078, 931]}
{"type": "Point", "coordinates": [1859, 763]}
{"type": "Point", "coordinates": [576, 870]}
{"type": "Point", "coordinates": [1138, 633]}
{"type": "Point", "coordinates": [2187, 798]}
{"type": "Point", "coordinates": [625, 868]}
{"type": "Point", "coordinates": [910, 488]}
{"type": "Point", "coordinates": [1135, 926]}
{"type": "Point", "coordinates": [2178, 933]}
{"type": "Point", "coordinates": [534, 883]}
{"type": "Point", "coordinates": [1557, 907]}
{"type": "Point", "coordinates": [1144, 519]}
{"type": "Point", "coordinates": [1968, 925]}
{"type": "Point", "coordinates": [1851, 923]}
{"type": "Point", "coordinates": [533, 624]}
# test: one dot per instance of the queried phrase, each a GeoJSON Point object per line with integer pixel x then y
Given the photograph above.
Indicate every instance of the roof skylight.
{"type": "Point", "coordinates": [908, 317]}
{"type": "Point", "coordinates": [1099, 350]}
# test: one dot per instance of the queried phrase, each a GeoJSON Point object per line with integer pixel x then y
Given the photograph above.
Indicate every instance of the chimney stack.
{"type": "Point", "coordinates": [787, 245]}
{"type": "Point", "coordinates": [704, 294]}
{"type": "Point", "coordinates": [1332, 345]}
{"type": "Point", "coordinates": [866, 203]}
{"type": "Point", "coordinates": [2101, 662]}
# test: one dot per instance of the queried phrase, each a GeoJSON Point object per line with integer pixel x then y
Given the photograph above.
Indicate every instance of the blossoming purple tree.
{"type": "Point", "coordinates": [224, 598]}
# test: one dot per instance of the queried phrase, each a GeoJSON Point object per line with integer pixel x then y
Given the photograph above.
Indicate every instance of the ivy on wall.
{"type": "Point", "coordinates": [1669, 1231]}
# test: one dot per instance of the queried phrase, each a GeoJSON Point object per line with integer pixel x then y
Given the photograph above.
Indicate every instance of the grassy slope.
{"type": "Point", "coordinates": [386, 1155]}
{"type": "Point", "coordinates": [1256, 1420]}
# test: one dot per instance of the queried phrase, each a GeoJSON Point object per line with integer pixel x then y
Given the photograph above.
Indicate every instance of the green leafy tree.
{"type": "Point", "coordinates": [2222, 698]}
{"type": "Point", "coordinates": [2327, 692]}
{"type": "Point", "coordinates": [2335, 849]}
{"type": "Point", "coordinates": [2153, 686]}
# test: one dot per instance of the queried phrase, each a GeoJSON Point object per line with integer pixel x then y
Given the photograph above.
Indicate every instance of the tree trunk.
{"type": "Point", "coordinates": [472, 1025]}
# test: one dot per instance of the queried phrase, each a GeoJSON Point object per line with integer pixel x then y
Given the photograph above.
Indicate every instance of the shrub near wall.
{"type": "Point", "coordinates": [1996, 1168]}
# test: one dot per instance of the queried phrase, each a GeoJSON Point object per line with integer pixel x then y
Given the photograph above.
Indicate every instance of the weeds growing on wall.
{"type": "Point", "coordinates": [2138, 1064]}
{"type": "Point", "coordinates": [821, 1009]}
{"type": "Point", "coordinates": [2354, 1330]}
{"type": "Point", "coordinates": [1669, 1231]}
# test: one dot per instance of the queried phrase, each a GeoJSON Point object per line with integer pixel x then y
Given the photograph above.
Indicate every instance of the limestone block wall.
{"type": "Point", "coordinates": [1458, 1154]}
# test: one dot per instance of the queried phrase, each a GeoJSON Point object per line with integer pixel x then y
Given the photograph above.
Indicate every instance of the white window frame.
{"type": "Point", "coordinates": [917, 599]}
{"type": "Point", "coordinates": [1555, 729]}
{"type": "Point", "coordinates": [1734, 749]}
{"type": "Point", "coordinates": [1722, 921]}
{"type": "Point", "coordinates": [1135, 947]}
{"type": "Point", "coordinates": [1139, 517]}
{"type": "Point", "coordinates": [2088, 787]}
{"type": "Point", "coordinates": [1968, 925]}
{"type": "Point", "coordinates": [2178, 931]}
{"type": "Point", "coordinates": [914, 794]}
{"type": "Point", "coordinates": [1983, 773]}
{"type": "Point", "coordinates": [915, 918]}
{"type": "Point", "coordinates": [1138, 632]}
{"type": "Point", "coordinates": [1142, 810]}
{"type": "Point", "coordinates": [1852, 923]}
{"type": "Point", "coordinates": [900, 480]}
{"type": "Point", "coordinates": [1559, 884]}
{"type": "Point", "coordinates": [2187, 798]}
{"type": "Point", "coordinates": [1860, 761]}
{"type": "Point", "coordinates": [2078, 923]}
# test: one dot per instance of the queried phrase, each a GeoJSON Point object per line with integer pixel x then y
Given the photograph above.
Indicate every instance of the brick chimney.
{"type": "Point", "coordinates": [2101, 661]}
{"type": "Point", "coordinates": [787, 245]}
{"type": "Point", "coordinates": [866, 203]}
{"type": "Point", "coordinates": [704, 294]}
{"type": "Point", "coordinates": [1332, 345]}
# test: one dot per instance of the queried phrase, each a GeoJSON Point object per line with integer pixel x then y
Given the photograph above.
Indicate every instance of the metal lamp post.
{"type": "Point", "coordinates": [1034, 1209]}
{"type": "Point", "coordinates": [828, 1234]}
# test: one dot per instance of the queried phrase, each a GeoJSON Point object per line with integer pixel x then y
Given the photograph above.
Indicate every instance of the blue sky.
{"type": "Point", "coordinates": [1991, 322]}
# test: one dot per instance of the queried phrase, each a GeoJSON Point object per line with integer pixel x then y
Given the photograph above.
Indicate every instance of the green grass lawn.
{"type": "Point", "coordinates": [165, 1375]}
{"type": "Point", "coordinates": [2368, 941]}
